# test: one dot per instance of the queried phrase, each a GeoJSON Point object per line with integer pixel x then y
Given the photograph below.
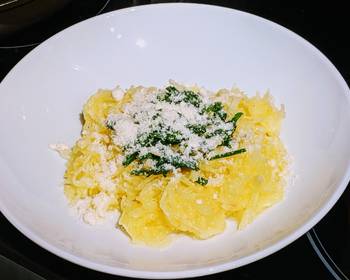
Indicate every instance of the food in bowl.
{"type": "Point", "coordinates": [179, 159]}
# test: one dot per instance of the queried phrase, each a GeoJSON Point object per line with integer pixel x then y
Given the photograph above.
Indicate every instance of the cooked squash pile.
{"type": "Point", "coordinates": [176, 160]}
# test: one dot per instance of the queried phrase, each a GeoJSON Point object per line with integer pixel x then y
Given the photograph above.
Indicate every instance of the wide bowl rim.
{"type": "Point", "coordinates": [213, 268]}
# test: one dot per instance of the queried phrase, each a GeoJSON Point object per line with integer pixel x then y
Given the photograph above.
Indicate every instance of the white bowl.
{"type": "Point", "coordinates": [41, 98]}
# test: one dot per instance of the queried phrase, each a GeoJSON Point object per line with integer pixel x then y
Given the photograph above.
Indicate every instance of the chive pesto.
{"type": "Point", "coordinates": [165, 130]}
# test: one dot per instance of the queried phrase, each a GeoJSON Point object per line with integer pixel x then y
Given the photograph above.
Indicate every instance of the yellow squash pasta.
{"type": "Point", "coordinates": [152, 208]}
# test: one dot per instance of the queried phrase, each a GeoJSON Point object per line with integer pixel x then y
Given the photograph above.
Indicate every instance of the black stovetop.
{"type": "Point", "coordinates": [323, 253]}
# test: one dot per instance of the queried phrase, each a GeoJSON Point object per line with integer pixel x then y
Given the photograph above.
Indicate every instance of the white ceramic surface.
{"type": "Point", "coordinates": [41, 98]}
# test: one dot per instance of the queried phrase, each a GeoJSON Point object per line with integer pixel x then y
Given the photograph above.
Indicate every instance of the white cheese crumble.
{"type": "Point", "coordinates": [94, 210]}
{"type": "Point", "coordinates": [62, 149]}
{"type": "Point", "coordinates": [109, 167]}
{"type": "Point", "coordinates": [199, 201]}
{"type": "Point", "coordinates": [127, 130]}
{"type": "Point", "coordinates": [118, 93]}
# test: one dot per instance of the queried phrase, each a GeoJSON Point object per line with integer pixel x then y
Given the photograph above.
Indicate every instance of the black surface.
{"type": "Point", "coordinates": [323, 24]}
{"type": "Point", "coordinates": [34, 34]}
{"type": "Point", "coordinates": [296, 261]}
{"type": "Point", "coordinates": [331, 238]}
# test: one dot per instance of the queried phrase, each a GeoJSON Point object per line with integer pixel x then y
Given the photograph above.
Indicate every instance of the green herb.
{"type": "Point", "coordinates": [165, 137]}
{"type": "Point", "coordinates": [110, 124]}
{"type": "Point", "coordinates": [149, 172]}
{"type": "Point", "coordinates": [236, 117]}
{"type": "Point", "coordinates": [191, 98]}
{"type": "Point", "coordinates": [171, 138]}
{"type": "Point", "coordinates": [156, 116]}
{"type": "Point", "coordinates": [217, 109]}
{"type": "Point", "coordinates": [148, 156]}
{"type": "Point", "coordinates": [228, 135]}
{"type": "Point", "coordinates": [179, 162]}
{"type": "Point", "coordinates": [226, 142]}
{"type": "Point", "coordinates": [166, 96]}
{"type": "Point", "coordinates": [149, 139]}
{"type": "Point", "coordinates": [214, 133]}
{"type": "Point", "coordinates": [160, 134]}
{"type": "Point", "coordinates": [198, 129]}
{"type": "Point", "coordinates": [228, 154]}
{"type": "Point", "coordinates": [202, 181]}
{"type": "Point", "coordinates": [172, 95]}
{"type": "Point", "coordinates": [130, 158]}
{"type": "Point", "coordinates": [162, 164]}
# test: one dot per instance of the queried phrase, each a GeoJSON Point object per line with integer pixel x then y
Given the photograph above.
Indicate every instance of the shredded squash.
{"type": "Point", "coordinates": [153, 208]}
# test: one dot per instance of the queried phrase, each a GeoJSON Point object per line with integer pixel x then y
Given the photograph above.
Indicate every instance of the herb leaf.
{"type": "Point", "coordinates": [198, 129]}
{"type": "Point", "coordinates": [191, 98]}
{"type": "Point", "coordinates": [179, 162]}
{"type": "Point", "coordinates": [202, 181]}
{"type": "Point", "coordinates": [173, 95]}
{"type": "Point", "coordinates": [228, 154]}
{"type": "Point", "coordinates": [148, 156]}
{"type": "Point", "coordinates": [130, 158]}
{"type": "Point", "coordinates": [171, 138]}
{"type": "Point", "coordinates": [110, 124]}
{"type": "Point", "coordinates": [217, 109]}
{"type": "Point", "coordinates": [149, 172]}
{"type": "Point", "coordinates": [236, 117]}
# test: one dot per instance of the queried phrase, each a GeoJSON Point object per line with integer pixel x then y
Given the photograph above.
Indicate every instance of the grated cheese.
{"type": "Point", "coordinates": [62, 149]}
{"type": "Point", "coordinates": [118, 93]}
{"type": "Point", "coordinates": [94, 210]}
{"type": "Point", "coordinates": [148, 113]}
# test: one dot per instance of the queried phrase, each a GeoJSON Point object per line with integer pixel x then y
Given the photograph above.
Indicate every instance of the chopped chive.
{"type": "Point", "coordinates": [236, 117]}
{"type": "Point", "coordinates": [198, 129]}
{"type": "Point", "coordinates": [148, 156]}
{"type": "Point", "coordinates": [110, 124]}
{"type": "Point", "coordinates": [130, 158]}
{"type": "Point", "coordinates": [217, 109]}
{"type": "Point", "coordinates": [228, 154]}
{"type": "Point", "coordinates": [178, 162]}
{"type": "Point", "coordinates": [191, 98]}
{"type": "Point", "coordinates": [171, 138]}
{"type": "Point", "coordinates": [226, 142]}
{"type": "Point", "coordinates": [149, 172]}
{"type": "Point", "coordinates": [173, 95]}
{"type": "Point", "coordinates": [202, 181]}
